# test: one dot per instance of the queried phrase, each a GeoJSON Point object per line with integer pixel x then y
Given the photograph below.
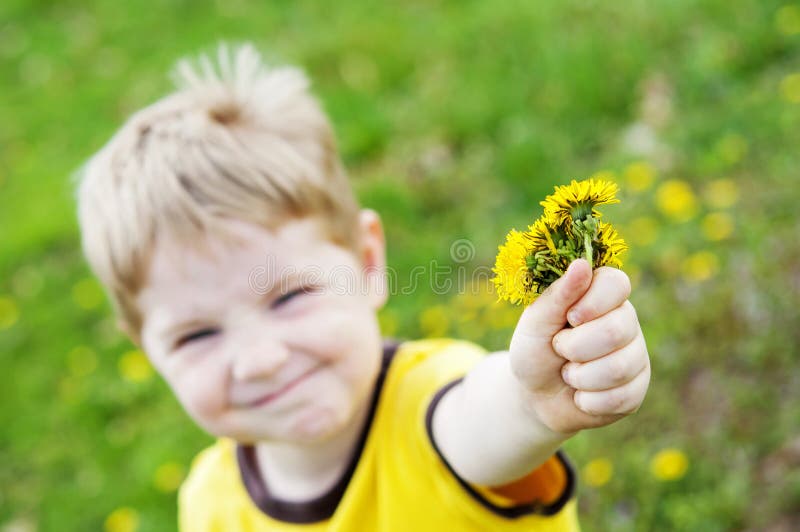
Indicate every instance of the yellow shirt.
{"type": "Point", "coordinates": [398, 483]}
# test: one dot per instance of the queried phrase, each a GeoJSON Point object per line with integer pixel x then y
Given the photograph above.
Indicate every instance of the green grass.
{"type": "Point", "coordinates": [455, 119]}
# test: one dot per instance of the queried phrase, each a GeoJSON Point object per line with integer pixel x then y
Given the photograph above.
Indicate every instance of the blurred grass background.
{"type": "Point", "coordinates": [455, 119]}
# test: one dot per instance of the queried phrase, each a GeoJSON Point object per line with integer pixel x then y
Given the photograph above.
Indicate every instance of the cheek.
{"type": "Point", "coordinates": [202, 390]}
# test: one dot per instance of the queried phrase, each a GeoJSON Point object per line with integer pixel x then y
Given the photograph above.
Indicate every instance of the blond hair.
{"type": "Point", "coordinates": [236, 140]}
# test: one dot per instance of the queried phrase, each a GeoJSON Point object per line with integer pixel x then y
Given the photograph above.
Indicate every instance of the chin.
{"type": "Point", "coordinates": [318, 425]}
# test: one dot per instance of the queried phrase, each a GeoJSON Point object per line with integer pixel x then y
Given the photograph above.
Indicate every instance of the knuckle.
{"type": "Point", "coordinates": [615, 333]}
{"type": "Point", "coordinates": [617, 371]}
{"type": "Point", "coordinates": [630, 310]}
{"type": "Point", "coordinates": [586, 311]}
{"type": "Point", "coordinates": [615, 400]}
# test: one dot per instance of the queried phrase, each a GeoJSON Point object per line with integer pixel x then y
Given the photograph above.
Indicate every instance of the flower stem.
{"type": "Point", "coordinates": [587, 244]}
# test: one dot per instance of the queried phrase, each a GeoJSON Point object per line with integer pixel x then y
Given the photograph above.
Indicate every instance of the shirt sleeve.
{"type": "Point", "coordinates": [427, 371]}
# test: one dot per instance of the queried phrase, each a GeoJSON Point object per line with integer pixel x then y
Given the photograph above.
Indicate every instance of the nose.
{"type": "Point", "coordinates": [258, 357]}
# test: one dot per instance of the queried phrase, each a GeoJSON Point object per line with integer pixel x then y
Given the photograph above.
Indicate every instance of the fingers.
{"type": "Point", "coordinates": [548, 314]}
{"type": "Point", "coordinates": [624, 399]}
{"type": "Point", "coordinates": [609, 288]}
{"type": "Point", "coordinates": [610, 371]}
{"type": "Point", "coordinates": [606, 334]}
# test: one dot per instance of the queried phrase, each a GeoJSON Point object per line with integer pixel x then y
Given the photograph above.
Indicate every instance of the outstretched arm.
{"type": "Point", "coordinates": [515, 408]}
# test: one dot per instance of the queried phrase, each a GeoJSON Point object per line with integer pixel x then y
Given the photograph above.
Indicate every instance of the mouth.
{"type": "Point", "coordinates": [270, 397]}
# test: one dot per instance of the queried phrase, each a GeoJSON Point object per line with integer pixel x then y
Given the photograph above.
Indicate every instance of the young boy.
{"type": "Point", "coordinates": [221, 222]}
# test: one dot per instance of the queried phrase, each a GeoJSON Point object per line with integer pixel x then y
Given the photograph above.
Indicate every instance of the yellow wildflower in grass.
{"type": "Point", "coordinates": [598, 472]}
{"type": "Point", "coordinates": [578, 200]}
{"type": "Point", "coordinates": [434, 321]}
{"type": "Point", "coordinates": [87, 294]}
{"type": "Point", "coordinates": [9, 312]}
{"type": "Point", "coordinates": [676, 200]}
{"type": "Point", "coordinates": [669, 464]}
{"type": "Point", "coordinates": [530, 261]}
{"type": "Point", "coordinates": [717, 226]}
{"type": "Point", "coordinates": [81, 361]}
{"type": "Point", "coordinates": [700, 266]}
{"type": "Point", "coordinates": [721, 193]}
{"type": "Point", "coordinates": [168, 477]}
{"type": "Point", "coordinates": [122, 519]}
{"type": "Point", "coordinates": [787, 20]}
{"type": "Point", "coordinates": [639, 176]}
{"type": "Point", "coordinates": [134, 366]}
{"type": "Point", "coordinates": [790, 88]}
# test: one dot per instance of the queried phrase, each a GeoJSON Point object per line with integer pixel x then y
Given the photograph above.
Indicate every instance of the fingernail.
{"type": "Point", "coordinates": [555, 343]}
{"type": "Point", "coordinates": [572, 318]}
{"type": "Point", "coordinates": [565, 373]}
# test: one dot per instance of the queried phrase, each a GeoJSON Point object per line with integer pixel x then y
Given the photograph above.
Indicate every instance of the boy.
{"type": "Point", "coordinates": [222, 224]}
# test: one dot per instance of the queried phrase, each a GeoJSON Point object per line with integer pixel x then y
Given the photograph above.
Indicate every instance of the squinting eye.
{"type": "Point", "coordinates": [285, 298]}
{"type": "Point", "coordinates": [195, 336]}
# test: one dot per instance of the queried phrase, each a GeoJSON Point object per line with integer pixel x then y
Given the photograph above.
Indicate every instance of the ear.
{"type": "Point", "coordinates": [372, 254]}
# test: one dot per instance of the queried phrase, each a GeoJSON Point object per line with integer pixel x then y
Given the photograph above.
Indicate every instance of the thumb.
{"type": "Point", "coordinates": [547, 315]}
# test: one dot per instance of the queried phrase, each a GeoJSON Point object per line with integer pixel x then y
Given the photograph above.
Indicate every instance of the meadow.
{"type": "Point", "coordinates": [454, 119]}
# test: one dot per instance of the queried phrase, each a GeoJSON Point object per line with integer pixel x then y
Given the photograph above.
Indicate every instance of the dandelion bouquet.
{"type": "Point", "coordinates": [570, 228]}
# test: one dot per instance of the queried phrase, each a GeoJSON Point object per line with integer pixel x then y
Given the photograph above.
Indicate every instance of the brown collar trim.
{"type": "Point", "coordinates": [322, 507]}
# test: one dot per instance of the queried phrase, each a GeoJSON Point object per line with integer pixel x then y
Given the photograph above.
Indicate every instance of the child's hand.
{"type": "Point", "coordinates": [589, 375]}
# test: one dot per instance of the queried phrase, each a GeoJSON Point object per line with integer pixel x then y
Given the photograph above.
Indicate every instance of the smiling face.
{"type": "Point", "coordinates": [274, 338]}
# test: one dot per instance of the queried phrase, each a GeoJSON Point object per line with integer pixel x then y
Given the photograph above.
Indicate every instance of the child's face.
{"type": "Point", "coordinates": [275, 339]}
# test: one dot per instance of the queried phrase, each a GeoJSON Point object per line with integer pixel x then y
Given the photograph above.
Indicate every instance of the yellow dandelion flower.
{"type": "Point", "coordinates": [87, 294]}
{"type": "Point", "coordinates": [530, 261]}
{"type": "Point", "coordinates": [434, 321]}
{"type": "Point", "coordinates": [700, 266]}
{"type": "Point", "coordinates": [609, 246]}
{"type": "Point", "coordinates": [721, 193]}
{"type": "Point", "coordinates": [790, 88]}
{"type": "Point", "coordinates": [9, 312]}
{"type": "Point", "coordinates": [578, 200]}
{"type": "Point", "coordinates": [122, 519]}
{"type": "Point", "coordinates": [639, 176]}
{"type": "Point", "coordinates": [787, 20]}
{"type": "Point", "coordinates": [598, 472]}
{"type": "Point", "coordinates": [642, 230]}
{"type": "Point", "coordinates": [669, 464]}
{"type": "Point", "coordinates": [134, 366]}
{"type": "Point", "coordinates": [676, 200]}
{"type": "Point", "coordinates": [512, 278]}
{"type": "Point", "coordinates": [168, 477]}
{"type": "Point", "coordinates": [717, 226]}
